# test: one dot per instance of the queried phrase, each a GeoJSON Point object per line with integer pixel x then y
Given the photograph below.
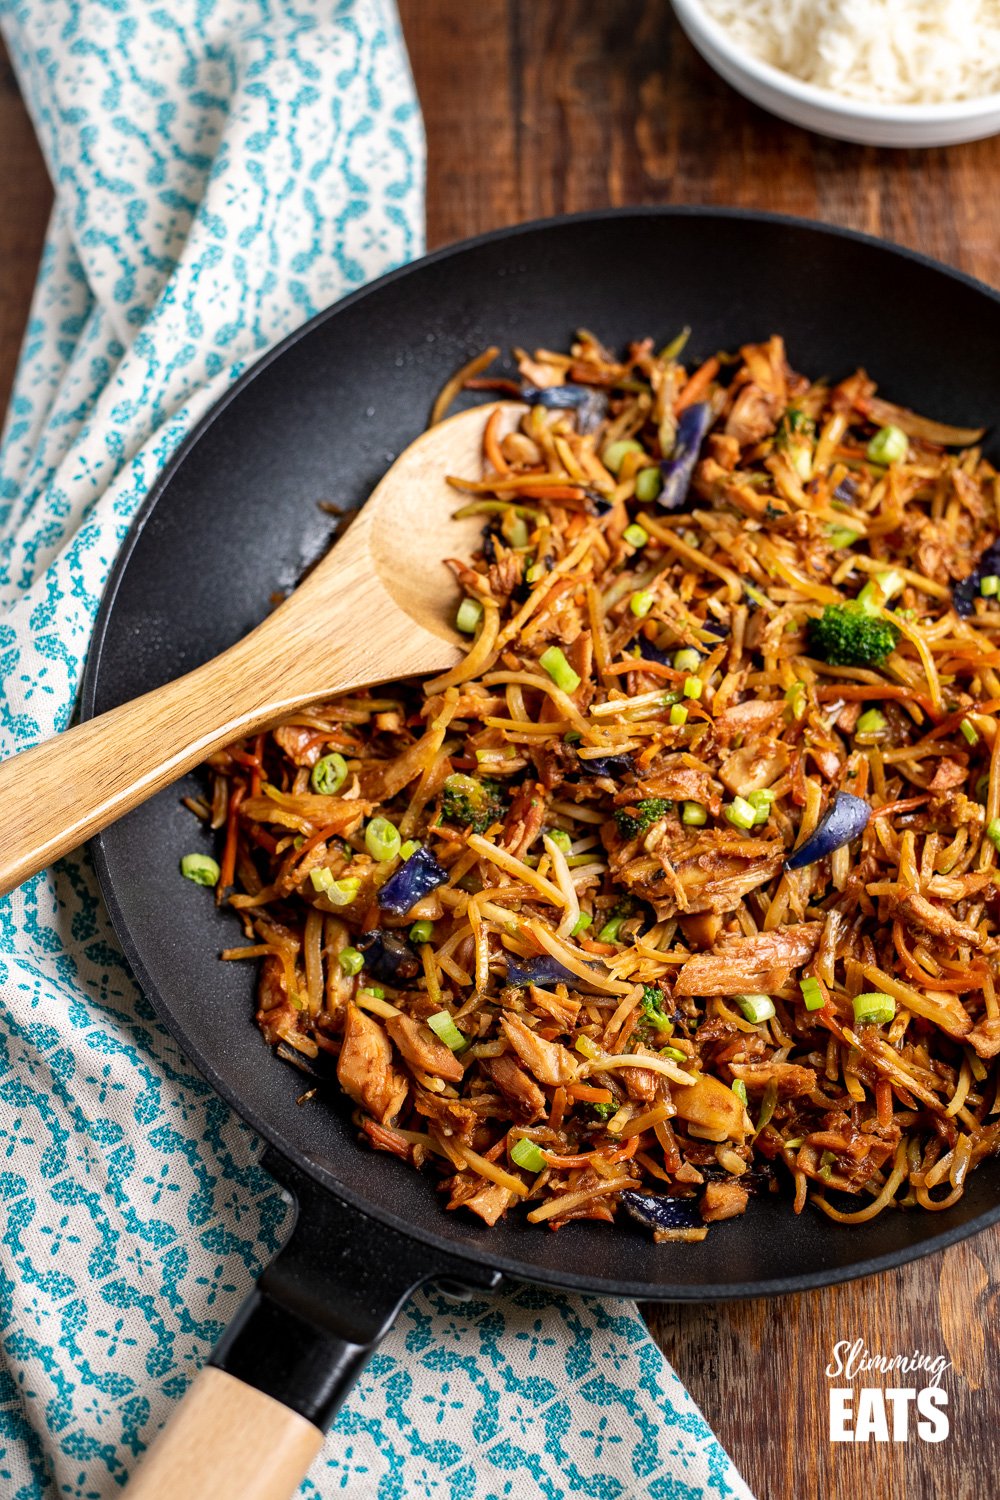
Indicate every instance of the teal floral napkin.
{"type": "Point", "coordinates": [223, 169]}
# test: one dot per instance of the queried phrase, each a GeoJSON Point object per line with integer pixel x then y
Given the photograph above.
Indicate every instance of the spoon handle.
{"type": "Point", "coordinates": [61, 792]}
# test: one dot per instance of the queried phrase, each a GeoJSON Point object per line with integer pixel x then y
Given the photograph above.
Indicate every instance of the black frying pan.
{"type": "Point", "coordinates": [235, 517]}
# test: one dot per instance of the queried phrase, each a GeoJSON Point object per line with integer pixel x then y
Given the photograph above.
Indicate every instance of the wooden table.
{"type": "Point", "coordinates": [550, 106]}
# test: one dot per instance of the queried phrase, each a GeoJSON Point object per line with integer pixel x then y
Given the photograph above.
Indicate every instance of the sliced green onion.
{"type": "Point", "coordinates": [989, 585]}
{"type": "Point", "coordinates": [882, 587]}
{"type": "Point", "coordinates": [561, 839]}
{"type": "Point", "coordinates": [409, 848]}
{"type": "Point", "coordinates": [648, 483]}
{"type": "Point", "coordinates": [350, 960]}
{"type": "Point", "coordinates": [382, 840]}
{"type": "Point", "coordinates": [536, 571]}
{"type": "Point", "coordinates": [826, 1163]}
{"type": "Point", "coordinates": [470, 612]}
{"type": "Point", "coordinates": [694, 815]}
{"type": "Point", "coordinates": [842, 536]}
{"type": "Point", "coordinates": [797, 698]}
{"type": "Point", "coordinates": [445, 1030]}
{"type": "Point", "coordinates": [693, 687]}
{"type": "Point", "coordinates": [201, 868]}
{"type": "Point", "coordinates": [794, 1143]}
{"type": "Point", "coordinates": [518, 532]}
{"type": "Point", "coordinates": [526, 1154]}
{"type": "Point", "coordinates": [636, 535]}
{"type": "Point", "coordinates": [970, 732]}
{"type": "Point", "coordinates": [993, 833]}
{"type": "Point", "coordinates": [329, 774]}
{"type": "Point", "coordinates": [421, 932]}
{"type": "Point", "coordinates": [755, 1007]}
{"type": "Point", "coordinates": [812, 993]}
{"type": "Point", "coordinates": [641, 603]}
{"type": "Point", "coordinates": [687, 659]}
{"type": "Point", "coordinates": [678, 715]}
{"type": "Point", "coordinates": [375, 991]}
{"type": "Point", "coordinates": [768, 1105]}
{"type": "Point", "coordinates": [761, 796]}
{"type": "Point", "coordinates": [675, 1054]}
{"type": "Point", "coordinates": [760, 801]}
{"type": "Point", "coordinates": [337, 892]}
{"type": "Point", "coordinates": [615, 453]}
{"type": "Point", "coordinates": [739, 1088]}
{"type": "Point", "coordinates": [609, 932]}
{"type": "Point", "coordinates": [670, 351]}
{"type": "Point", "coordinates": [740, 813]}
{"type": "Point", "coordinates": [554, 662]}
{"type": "Point", "coordinates": [581, 924]}
{"type": "Point", "coordinates": [872, 721]}
{"type": "Point", "coordinates": [873, 1008]}
{"type": "Point", "coordinates": [888, 446]}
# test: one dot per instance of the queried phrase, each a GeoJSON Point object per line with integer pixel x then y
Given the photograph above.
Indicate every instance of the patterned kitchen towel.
{"type": "Point", "coordinates": [223, 169]}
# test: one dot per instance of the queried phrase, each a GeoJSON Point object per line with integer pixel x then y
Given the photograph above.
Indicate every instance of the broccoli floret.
{"type": "Point", "coordinates": [653, 1000]}
{"type": "Point", "coordinates": [633, 821]}
{"type": "Point", "coordinates": [472, 803]}
{"type": "Point", "coordinates": [604, 1111]}
{"type": "Point", "coordinates": [847, 635]}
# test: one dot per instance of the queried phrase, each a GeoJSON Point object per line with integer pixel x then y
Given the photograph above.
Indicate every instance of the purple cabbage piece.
{"type": "Point", "coordinates": [543, 970]}
{"type": "Point", "coordinates": [601, 503]}
{"type": "Point", "coordinates": [415, 878]}
{"type": "Point", "coordinates": [590, 404]}
{"type": "Point", "coordinates": [489, 544]}
{"type": "Point", "coordinates": [966, 591]}
{"type": "Point", "coordinates": [846, 490]}
{"type": "Point", "coordinates": [649, 652]}
{"type": "Point", "coordinates": [606, 765]}
{"type": "Point", "coordinates": [677, 470]}
{"type": "Point", "coordinates": [388, 956]}
{"type": "Point", "coordinates": [845, 819]}
{"type": "Point", "coordinates": [656, 1211]}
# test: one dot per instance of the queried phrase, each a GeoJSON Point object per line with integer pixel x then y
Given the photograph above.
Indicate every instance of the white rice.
{"type": "Point", "coordinates": [892, 51]}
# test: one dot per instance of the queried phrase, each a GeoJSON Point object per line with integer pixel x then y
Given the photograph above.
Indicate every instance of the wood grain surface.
{"type": "Point", "coordinates": [226, 1441]}
{"type": "Point", "coordinates": [537, 107]}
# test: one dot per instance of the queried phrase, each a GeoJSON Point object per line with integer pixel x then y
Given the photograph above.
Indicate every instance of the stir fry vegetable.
{"type": "Point", "coordinates": [684, 885]}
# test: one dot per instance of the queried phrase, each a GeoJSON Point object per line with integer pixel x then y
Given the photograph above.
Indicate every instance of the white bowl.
{"type": "Point", "coordinates": [833, 114]}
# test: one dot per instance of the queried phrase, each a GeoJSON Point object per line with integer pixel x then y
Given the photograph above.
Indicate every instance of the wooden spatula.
{"type": "Point", "coordinates": [380, 605]}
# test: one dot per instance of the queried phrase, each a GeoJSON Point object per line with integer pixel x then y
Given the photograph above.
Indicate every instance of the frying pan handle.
{"type": "Point", "coordinates": [252, 1422]}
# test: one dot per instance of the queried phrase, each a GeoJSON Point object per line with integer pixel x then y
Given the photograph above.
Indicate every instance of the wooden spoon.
{"type": "Point", "coordinates": [380, 605]}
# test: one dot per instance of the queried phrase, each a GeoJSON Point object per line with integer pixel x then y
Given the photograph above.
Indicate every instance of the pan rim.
{"type": "Point", "coordinates": [513, 1269]}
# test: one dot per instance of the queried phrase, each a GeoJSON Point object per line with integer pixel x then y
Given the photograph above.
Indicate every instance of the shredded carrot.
{"type": "Point", "coordinates": [491, 445]}
{"type": "Point", "coordinates": [585, 1093]}
{"type": "Point", "coordinates": [697, 386]}
{"type": "Point", "coordinates": [227, 868]}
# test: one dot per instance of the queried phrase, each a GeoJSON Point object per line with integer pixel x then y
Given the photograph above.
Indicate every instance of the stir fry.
{"type": "Point", "coordinates": [683, 886]}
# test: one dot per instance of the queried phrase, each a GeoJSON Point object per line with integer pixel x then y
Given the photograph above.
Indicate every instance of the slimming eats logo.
{"type": "Point", "coordinates": [913, 1408]}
